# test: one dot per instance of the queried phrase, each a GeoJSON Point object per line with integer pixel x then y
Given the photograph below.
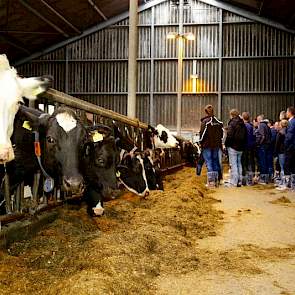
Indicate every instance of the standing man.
{"type": "Point", "coordinates": [236, 141]}
{"type": "Point", "coordinates": [211, 135]}
{"type": "Point", "coordinates": [290, 149]}
{"type": "Point", "coordinates": [263, 141]}
{"type": "Point", "coordinates": [248, 157]}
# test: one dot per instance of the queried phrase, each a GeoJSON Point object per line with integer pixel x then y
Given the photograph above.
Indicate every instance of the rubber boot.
{"type": "Point", "coordinates": [263, 179]}
{"type": "Point", "coordinates": [249, 180]}
{"type": "Point", "coordinates": [293, 183]}
{"type": "Point", "coordinates": [283, 184]}
{"type": "Point", "coordinates": [277, 178]}
{"type": "Point", "coordinates": [211, 179]}
{"type": "Point", "coordinates": [216, 177]}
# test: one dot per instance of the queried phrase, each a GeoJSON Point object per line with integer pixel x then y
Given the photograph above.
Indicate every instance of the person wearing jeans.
{"type": "Point", "coordinates": [263, 142]}
{"type": "Point", "coordinates": [236, 142]}
{"type": "Point", "coordinates": [289, 168]}
{"type": "Point", "coordinates": [248, 156]}
{"type": "Point", "coordinates": [211, 135]}
{"type": "Point", "coordinates": [280, 151]}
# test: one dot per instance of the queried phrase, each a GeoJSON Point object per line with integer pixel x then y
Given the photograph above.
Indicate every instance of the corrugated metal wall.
{"type": "Point", "coordinates": [257, 65]}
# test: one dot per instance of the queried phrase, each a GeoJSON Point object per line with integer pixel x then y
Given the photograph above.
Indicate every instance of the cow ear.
{"type": "Point", "coordinates": [88, 149]}
{"type": "Point", "coordinates": [35, 117]}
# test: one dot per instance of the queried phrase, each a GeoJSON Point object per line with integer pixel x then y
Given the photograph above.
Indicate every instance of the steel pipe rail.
{"type": "Point", "coordinates": [74, 102]}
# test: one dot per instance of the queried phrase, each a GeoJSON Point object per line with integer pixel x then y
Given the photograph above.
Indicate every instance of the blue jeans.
{"type": "Point", "coordinates": [211, 157]}
{"type": "Point", "coordinates": [282, 163]}
{"type": "Point", "coordinates": [235, 161]}
{"type": "Point", "coordinates": [263, 159]}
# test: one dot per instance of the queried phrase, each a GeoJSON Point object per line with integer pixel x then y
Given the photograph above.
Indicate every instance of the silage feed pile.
{"type": "Point", "coordinates": [123, 252]}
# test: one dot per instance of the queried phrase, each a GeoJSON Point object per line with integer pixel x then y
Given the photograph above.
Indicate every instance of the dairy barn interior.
{"type": "Point", "coordinates": [130, 67]}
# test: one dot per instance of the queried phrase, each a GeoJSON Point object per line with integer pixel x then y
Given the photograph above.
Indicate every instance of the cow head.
{"type": "Point", "coordinates": [132, 174]}
{"type": "Point", "coordinates": [163, 138]}
{"type": "Point", "coordinates": [64, 139]}
{"type": "Point", "coordinates": [12, 89]}
{"type": "Point", "coordinates": [101, 158]}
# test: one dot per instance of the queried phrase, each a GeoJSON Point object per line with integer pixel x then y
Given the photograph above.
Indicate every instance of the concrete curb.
{"type": "Point", "coordinates": [25, 229]}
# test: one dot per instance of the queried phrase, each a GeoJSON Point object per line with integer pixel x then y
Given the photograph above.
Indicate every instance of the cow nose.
{"type": "Point", "coordinates": [74, 185]}
{"type": "Point", "coordinates": [6, 154]}
{"type": "Point", "coordinates": [147, 193]}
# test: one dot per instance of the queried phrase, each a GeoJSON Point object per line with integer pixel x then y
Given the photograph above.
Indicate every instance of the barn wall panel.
{"type": "Point", "coordinates": [258, 65]}
{"type": "Point", "coordinates": [268, 104]}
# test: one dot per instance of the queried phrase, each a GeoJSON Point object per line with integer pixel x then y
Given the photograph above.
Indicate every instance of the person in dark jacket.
{"type": "Point", "coordinates": [289, 168]}
{"type": "Point", "coordinates": [211, 135]}
{"type": "Point", "coordinates": [236, 140]}
{"type": "Point", "coordinates": [280, 152]}
{"type": "Point", "coordinates": [248, 156]}
{"type": "Point", "coordinates": [263, 141]}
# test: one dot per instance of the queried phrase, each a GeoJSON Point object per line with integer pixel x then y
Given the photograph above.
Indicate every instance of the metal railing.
{"type": "Point", "coordinates": [25, 201]}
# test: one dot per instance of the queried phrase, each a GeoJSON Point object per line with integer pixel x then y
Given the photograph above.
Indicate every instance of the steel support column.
{"type": "Point", "coordinates": [179, 68]}
{"type": "Point", "coordinates": [152, 78]}
{"type": "Point", "coordinates": [220, 46]}
{"type": "Point", "coordinates": [132, 62]}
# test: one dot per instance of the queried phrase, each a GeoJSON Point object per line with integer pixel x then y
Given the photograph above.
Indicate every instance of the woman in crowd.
{"type": "Point", "coordinates": [280, 152]}
{"type": "Point", "coordinates": [211, 135]}
{"type": "Point", "coordinates": [236, 141]}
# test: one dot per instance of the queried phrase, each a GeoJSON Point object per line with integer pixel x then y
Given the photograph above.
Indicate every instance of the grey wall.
{"type": "Point", "coordinates": [256, 62]}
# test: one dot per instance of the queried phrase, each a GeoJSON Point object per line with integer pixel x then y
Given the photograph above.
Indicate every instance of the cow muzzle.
{"type": "Point", "coordinates": [6, 154]}
{"type": "Point", "coordinates": [74, 185]}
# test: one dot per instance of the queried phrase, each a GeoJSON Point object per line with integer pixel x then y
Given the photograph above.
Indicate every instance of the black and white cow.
{"type": "Point", "coordinates": [12, 90]}
{"type": "Point", "coordinates": [99, 168]}
{"type": "Point", "coordinates": [139, 173]}
{"type": "Point", "coordinates": [160, 137]}
{"type": "Point", "coordinates": [62, 138]}
{"type": "Point", "coordinates": [188, 150]}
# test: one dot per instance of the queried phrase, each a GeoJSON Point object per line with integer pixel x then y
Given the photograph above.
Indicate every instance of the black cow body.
{"type": "Point", "coordinates": [61, 150]}
{"type": "Point", "coordinates": [189, 151]}
{"type": "Point", "coordinates": [99, 171]}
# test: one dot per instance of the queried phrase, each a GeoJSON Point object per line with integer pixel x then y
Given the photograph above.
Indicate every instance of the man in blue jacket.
{"type": "Point", "coordinates": [263, 142]}
{"type": "Point", "coordinates": [290, 148]}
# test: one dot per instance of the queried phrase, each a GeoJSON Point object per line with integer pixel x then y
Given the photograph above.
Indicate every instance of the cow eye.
{"type": "Point", "coordinates": [51, 139]}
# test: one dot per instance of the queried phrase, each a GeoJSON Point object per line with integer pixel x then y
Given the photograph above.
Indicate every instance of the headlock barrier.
{"type": "Point", "coordinates": [26, 201]}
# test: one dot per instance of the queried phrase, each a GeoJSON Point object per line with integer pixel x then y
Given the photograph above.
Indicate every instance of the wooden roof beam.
{"type": "Point", "coordinates": [97, 9]}
{"type": "Point", "coordinates": [60, 16]}
{"type": "Point", "coordinates": [15, 43]}
{"type": "Point", "coordinates": [38, 14]}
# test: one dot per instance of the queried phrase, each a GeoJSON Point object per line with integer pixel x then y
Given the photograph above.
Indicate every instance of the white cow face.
{"type": "Point", "coordinates": [164, 139]}
{"type": "Point", "coordinates": [12, 89]}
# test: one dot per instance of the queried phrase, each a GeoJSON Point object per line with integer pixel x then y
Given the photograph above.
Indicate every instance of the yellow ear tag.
{"type": "Point", "coordinates": [118, 174]}
{"type": "Point", "coordinates": [97, 137]}
{"type": "Point", "coordinates": [27, 126]}
{"type": "Point", "coordinates": [37, 91]}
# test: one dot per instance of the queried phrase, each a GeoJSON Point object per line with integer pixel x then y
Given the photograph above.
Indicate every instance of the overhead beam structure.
{"type": "Point", "coordinates": [94, 6]}
{"type": "Point", "coordinates": [60, 16]}
{"type": "Point", "coordinates": [42, 17]}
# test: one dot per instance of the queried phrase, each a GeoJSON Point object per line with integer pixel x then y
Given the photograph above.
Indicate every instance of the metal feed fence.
{"type": "Point", "coordinates": [25, 200]}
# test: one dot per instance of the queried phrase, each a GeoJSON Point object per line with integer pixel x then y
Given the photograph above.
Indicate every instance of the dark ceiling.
{"type": "Point", "coordinates": [27, 26]}
{"type": "Point", "coordinates": [282, 11]}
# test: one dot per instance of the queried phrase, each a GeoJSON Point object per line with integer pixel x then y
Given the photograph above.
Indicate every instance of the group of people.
{"type": "Point", "coordinates": [259, 151]}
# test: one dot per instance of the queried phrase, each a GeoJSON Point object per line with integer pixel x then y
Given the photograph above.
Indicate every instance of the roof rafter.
{"type": "Point", "coordinates": [247, 14]}
{"type": "Point", "coordinates": [60, 16]}
{"type": "Point", "coordinates": [97, 9]}
{"type": "Point", "coordinates": [38, 14]}
{"type": "Point", "coordinates": [15, 43]}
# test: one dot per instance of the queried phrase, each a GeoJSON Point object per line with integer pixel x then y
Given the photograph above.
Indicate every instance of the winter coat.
{"type": "Point", "coordinates": [280, 142]}
{"type": "Point", "coordinates": [235, 125]}
{"type": "Point", "coordinates": [290, 136]}
{"type": "Point", "coordinates": [251, 140]}
{"type": "Point", "coordinates": [263, 134]}
{"type": "Point", "coordinates": [211, 133]}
